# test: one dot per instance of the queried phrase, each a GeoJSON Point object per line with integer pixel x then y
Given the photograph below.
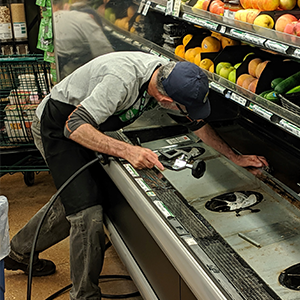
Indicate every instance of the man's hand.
{"type": "Point", "coordinates": [250, 161]}
{"type": "Point", "coordinates": [142, 158]}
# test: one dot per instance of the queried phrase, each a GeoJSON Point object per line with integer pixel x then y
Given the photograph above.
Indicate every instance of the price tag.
{"type": "Point", "coordinates": [211, 25]}
{"type": "Point", "coordinates": [297, 53]}
{"type": "Point", "coordinates": [118, 35]}
{"type": "Point", "coordinates": [222, 29]}
{"type": "Point", "coordinates": [217, 87]}
{"type": "Point", "coordinates": [142, 184]}
{"type": "Point", "coordinates": [164, 57]}
{"type": "Point", "coordinates": [131, 170]}
{"type": "Point", "coordinates": [194, 20]}
{"type": "Point", "coordinates": [254, 39]}
{"type": "Point", "coordinates": [176, 9]}
{"type": "Point", "coordinates": [290, 127]}
{"type": "Point", "coordinates": [237, 33]}
{"type": "Point", "coordinates": [276, 46]}
{"type": "Point", "coordinates": [261, 111]}
{"type": "Point", "coordinates": [237, 98]}
{"type": "Point", "coordinates": [160, 205]}
{"type": "Point", "coordinates": [146, 8]}
{"type": "Point", "coordinates": [154, 52]}
{"type": "Point", "coordinates": [145, 48]}
{"type": "Point", "coordinates": [136, 43]}
{"type": "Point", "coordinates": [169, 9]}
{"type": "Point", "coordinates": [161, 8]}
{"type": "Point", "coordinates": [142, 3]}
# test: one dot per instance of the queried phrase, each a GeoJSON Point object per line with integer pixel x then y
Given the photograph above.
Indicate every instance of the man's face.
{"type": "Point", "coordinates": [172, 107]}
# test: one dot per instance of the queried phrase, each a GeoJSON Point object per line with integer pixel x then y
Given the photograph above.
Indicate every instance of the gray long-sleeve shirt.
{"type": "Point", "coordinates": [106, 85]}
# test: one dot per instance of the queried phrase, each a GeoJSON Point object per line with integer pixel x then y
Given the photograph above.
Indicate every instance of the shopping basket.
{"type": "Point", "coordinates": [24, 82]}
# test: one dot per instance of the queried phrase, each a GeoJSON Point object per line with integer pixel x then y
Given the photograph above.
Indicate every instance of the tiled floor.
{"type": "Point", "coordinates": [24, 201]}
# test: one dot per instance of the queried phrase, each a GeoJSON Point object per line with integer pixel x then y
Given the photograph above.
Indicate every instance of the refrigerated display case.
{"type": "Point", "coordinates": [232, 233]}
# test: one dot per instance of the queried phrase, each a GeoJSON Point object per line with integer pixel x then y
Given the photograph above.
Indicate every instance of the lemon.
{"type": "Point", "coordinates": [206, 63]}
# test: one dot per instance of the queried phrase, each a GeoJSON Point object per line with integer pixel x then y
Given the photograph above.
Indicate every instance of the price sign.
{"type": "Point", "coordinates": [146, 8]}
{"type": "Point", "coordinates": [276, 46]}
{"type": "Point", "coordinates": [118, 35]}
{"type": "Point", "coordinates": [136, 43]}
{"type": "Point", "coordinates": [237, 33]}
{"type": "Point", "coordinates": [194, 20]}
{"type": "Point", "coordinates": [222, 29]}
{"type": "Point", "coordinates": [297, 53]}
{"type": "Point", "coordinates": [161, 206]}
{"type": "Point", "coordinates": [176, 8]}
{"type": "Point", "coordinates": [290, 127]}
{"type": "Point", "coordinates": [217, 87]}
{"type": "Point", "coordinates": [160, 8]}
{"type": "Point", "coordinates": [164, 57]}
{"type": "Point", "coordinates": [254, 39]}
{"type": "Point", "coordinates": [169, 9]}
{"type": "Point", "coordinates": [142, 184]}
{"type": "Point", "coordinates": [154, 52]}
{"type": "Point", "coordinates": [211, 25]}
{"type": "Point", "coordinates": [237, 98]}
{"type": "Point", "coordinates": [261, 111]}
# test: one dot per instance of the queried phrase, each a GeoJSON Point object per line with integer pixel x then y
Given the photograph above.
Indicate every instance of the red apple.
{"type": "Point", "coordinates": [289, 28]}
{"type": "Point", "coordinates": [251, 15]}
{"type": "Point", "coordinates": [287, 4]}
{"type": "Point", "coordinates": [297, 28]}
{"type": "Point", "coordinates": [205, 4]}
{"type": "Point", "coordinates": [283, 20]}
{"type": "Point", "coordinates": [220, 10]}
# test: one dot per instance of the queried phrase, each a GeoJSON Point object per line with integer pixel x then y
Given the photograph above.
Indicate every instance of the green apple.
{"type": "Point", "coordinates": [232, 76]}
{"type": "Point", "coordinates": [108, 12]}
{"type": "Point", "coordinates": [224, 72]}
{"type": "Point", "coordinates": [221, 65]}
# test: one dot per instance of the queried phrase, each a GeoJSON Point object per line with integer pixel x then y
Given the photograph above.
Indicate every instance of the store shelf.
{"type": "Point", "coordinates": [259, 36]}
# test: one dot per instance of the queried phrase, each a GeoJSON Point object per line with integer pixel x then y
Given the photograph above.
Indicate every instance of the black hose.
{"type": "Point", "coordinates": [123, 296]}
{"type": "Point", "coordinates": [63, 290]}
{"type": "Point", "coordinates": [52, 200]}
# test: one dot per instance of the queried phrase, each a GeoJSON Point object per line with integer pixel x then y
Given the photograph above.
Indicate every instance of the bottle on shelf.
{"type": "Point", "coordinates": [18, 17]}
{"type": "Point", "coordinates": [6, 34]}
{"type": "Point", "coordinates": [234, 6]}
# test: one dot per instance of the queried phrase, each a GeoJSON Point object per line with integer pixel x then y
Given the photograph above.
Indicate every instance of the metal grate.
{"type": "Point", "coordinates": [24, 82]}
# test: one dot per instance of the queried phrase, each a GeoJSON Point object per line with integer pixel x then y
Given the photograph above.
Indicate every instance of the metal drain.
{"type": "Point", "coordinates": [235, 201]}
{"type": "Point", "coordinates": [290, 277]}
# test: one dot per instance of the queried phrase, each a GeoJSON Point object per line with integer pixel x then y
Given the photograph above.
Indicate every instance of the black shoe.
{"type": "Point", "coordinates": [42, 267]}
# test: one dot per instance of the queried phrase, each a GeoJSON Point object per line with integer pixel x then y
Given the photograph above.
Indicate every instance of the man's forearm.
{"type": "Point", "coordinates": [209, 136]}
{"type": "Point", "coordinates": [89, 137]}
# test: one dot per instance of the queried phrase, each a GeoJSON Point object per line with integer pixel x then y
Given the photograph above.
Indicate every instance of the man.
{"type": "Point", "coordinates": [78, 37]}
{"type": "Point", "coordinates": [105, 94]}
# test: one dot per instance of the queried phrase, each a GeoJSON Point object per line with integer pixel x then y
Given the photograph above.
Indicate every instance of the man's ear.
{"type": "Point", "coordinates": [166, 99]}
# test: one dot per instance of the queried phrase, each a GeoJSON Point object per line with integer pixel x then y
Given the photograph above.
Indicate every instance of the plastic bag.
{"type": "Point", "coordinates": [4, 234]}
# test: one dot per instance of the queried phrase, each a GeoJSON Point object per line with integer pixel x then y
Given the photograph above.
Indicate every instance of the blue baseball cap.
{"type": "Point", "coordinates": [187, 84]}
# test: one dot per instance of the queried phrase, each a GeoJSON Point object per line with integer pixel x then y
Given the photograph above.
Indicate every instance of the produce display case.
{"type": "Point", "coordinates": [230, 234]}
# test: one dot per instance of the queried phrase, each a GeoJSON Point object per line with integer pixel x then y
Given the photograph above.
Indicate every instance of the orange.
{"type": "Point", "coordinates": [206, 63]}
{"type": "Point", "coordinates": [197, 59]}
{"type": "Point", "coordinates": [186, 39]}
{"type": "Point", "coordinates": [190, 55]}
{"type": "Point", "coordinates": [180, 50]}
{"type": "Point", "coordinates": [211, 44]}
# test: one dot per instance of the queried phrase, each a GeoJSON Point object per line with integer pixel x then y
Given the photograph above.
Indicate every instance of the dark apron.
{"type": "Point", "coordinates": [64, 156]}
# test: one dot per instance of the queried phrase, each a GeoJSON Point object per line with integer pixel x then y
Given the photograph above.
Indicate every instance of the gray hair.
{"type": "Point", "coordinates": [163, 73]}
